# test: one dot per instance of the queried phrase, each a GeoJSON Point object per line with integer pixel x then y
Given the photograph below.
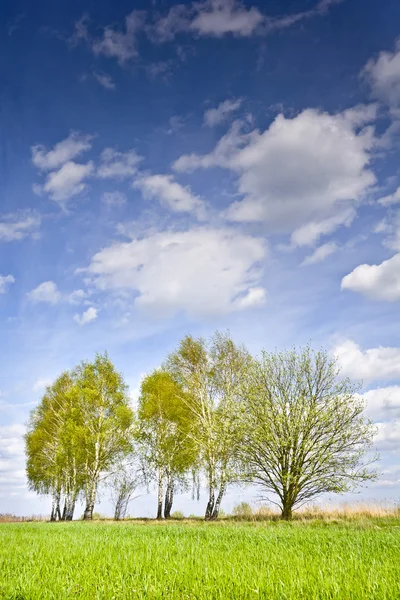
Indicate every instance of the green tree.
{"type": "Point", "coordinates": [54, 459]}
{"type": "Point", "coordinates": [306, 432]}
{"type": "Point", "coordinates": [212, 375]}
{"type": "Point", "coordinates": [168, 450]}
{"type": "Point", "coordinates": [105, 422]}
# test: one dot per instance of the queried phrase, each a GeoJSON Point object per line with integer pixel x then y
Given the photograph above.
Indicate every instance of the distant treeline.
{"type": "Point", "coordinates": [211, 416]}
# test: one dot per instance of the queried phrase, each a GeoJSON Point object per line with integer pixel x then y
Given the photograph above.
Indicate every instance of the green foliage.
{"type": "Point", "coordinates": [306, 432]}
{"type": "Point", "coordinates": [177, 515]}
{"type": "Point", "coordinates": [81, 427]}
{"type": "Point", "coordinates": [201, 561]}
{"type": "Point", "coordinates": [243, 510]}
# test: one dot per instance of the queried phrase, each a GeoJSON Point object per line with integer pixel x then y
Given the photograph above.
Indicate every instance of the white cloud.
{"type": "Point", "coordinates": [115, 44]}
{"type": "Point", "coordinates": [47, 292]}
{"type": "Point", "coordinates": [118, 165]}
{"type": "Point", "coordinates": [41, 384]}
{"type": "Point", "coordinates": [63, 152]}
{"type": "Point", "coordinates": [379, 282]}
{"type": "Point", "coordinates": [391, 198]}
{"type": "Point", "coordinates": [19, 226]}
{"type": "Point", "coordinates": [67, 182]}
{"type": "Point", "coordinates": [166, 27]}
{"type": "Point", "coordinates": [372, 364]}
{"type": "Point", "coordinates": [5, 282]}
{"type": "Point", "coordinates": [77, 297]}
{"type": "Point", "coordinates": [112, 199]}
{"type": "Point", "coordinates": [308, 234]}
{"type": "Point", "coordinates": [170, 194]}
{"type": "Point", "coordinates": [216, 18]}
{"type": "Point", "coordinates": [87, 317]}
{"type": "Point", "coordinates": [215, 116]}
{"type": "Point", "coordinates": [200, 271]}
{"type": "Point", "coordinates": [308, 168]}
{"type": "Point", "coordinates": [388, 436]}
{"type": "Point", "coordinates": [320, 254]}
{"type": "Point", "coordinates": [104, 79]}
{"type": "Point", "coordinates": [383, 73]}
{"type": "Point", "coordinates": [219, 17]}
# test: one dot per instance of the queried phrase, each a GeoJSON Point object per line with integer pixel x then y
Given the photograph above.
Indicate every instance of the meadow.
{"type": "Point", "coordinates": [348, 559]}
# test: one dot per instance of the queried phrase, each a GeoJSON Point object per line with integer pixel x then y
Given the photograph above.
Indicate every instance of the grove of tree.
{"type": "Point", "coordinates": [213, 415]}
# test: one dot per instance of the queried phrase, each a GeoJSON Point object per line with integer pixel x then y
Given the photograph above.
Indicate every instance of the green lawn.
{"type": "Point", "coordinates": [273, 560]}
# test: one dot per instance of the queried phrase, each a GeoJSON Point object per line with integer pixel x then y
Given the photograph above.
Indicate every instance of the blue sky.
{"type": "Point", "coordinates": [170, 168]}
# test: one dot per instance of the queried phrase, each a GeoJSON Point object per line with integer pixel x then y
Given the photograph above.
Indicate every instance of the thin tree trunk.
{"type": "Point", "coordinates": [169, 497]}
{"type": "Point", "coordinates": [53, 507]}
{"type": "Point", "coordinates": [58, 510]}
{"type": "Point", "coordinates": [90, 501]}
{"type": "Point", "coordinates": [211, 498]}
{"type": "Point", "coordinates": [160, 495]}
{"type": "Point", "coordinates": [217, 506]}
{"type": "Point", "coordinates": [64, 512]}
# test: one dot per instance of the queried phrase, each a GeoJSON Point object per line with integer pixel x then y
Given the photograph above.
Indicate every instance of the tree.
{"type": "Point", "coordinates": [124, 482]}
{"type": "Point", "coordinates": [54, 459]}
{"type": "Point", "coordinates": [105, 422]}
{"type": "Point", "coordinates": [212, 375]}
{"type": "Point", "coordinates": [306, 433]}
{"type": "Point", "coordinates": [168, 450]}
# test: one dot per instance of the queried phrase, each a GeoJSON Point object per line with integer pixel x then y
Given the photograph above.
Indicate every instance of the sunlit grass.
{"type": "Point", "coordinates": [272, 560]}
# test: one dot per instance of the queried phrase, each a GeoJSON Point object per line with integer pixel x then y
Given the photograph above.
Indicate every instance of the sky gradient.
{"type": "Point", "coordinates": [179, 168]}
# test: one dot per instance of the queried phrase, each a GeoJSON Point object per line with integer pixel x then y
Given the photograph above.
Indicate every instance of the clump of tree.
{"type": "Point", "coordinates": [305, 431]}
{"type": "Point", "coordinates": [81, 428]}
{"type": "Point", "coordinates": [286, 421]}
{"type": "Point", "coordinates": [168, 450]}
{"type": "Point", "coordinates": [212, 374]}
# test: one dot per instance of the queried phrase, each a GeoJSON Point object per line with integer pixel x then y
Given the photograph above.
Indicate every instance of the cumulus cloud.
{"type": "Point", "coordinates": [219, 17]}
{"type": "Point", "coordinates": [383, 74]}
{"type": "Point", "coordinates": [104, 79]}
{"type": "Point", "coordinates": [67, 182]}
{"type": "Point", "coordinates": [371, 364]}
{"type": "Point", "coordinates": [16, 227]}
{"type": "Point", "coordinates": [215, 116]}
{"type": "Point", "coordinates": [170, 194]}
{"type": "Point", "coordinates": [118, 165]}
{"type": "Point", "coordinates": [47, 292]}
{"type": "Point", "coordinates": [379, 282]}
{"type": "Point", "coordinates": [202, 271]}
{"type": "Point", "coordinates": [63, 152]}
{"type": "Point", "coordinates": [5, 282]}
{"type": "Point", "coordinates": [87, 317]}
{"type": "Point", "coordinates": [307, 168]}
{"type": "Point", "coordinates": [320, 254]}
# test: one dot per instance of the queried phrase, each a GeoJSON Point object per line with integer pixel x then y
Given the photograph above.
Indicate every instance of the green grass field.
{"type": "Point", "coordinates": [271, 560]}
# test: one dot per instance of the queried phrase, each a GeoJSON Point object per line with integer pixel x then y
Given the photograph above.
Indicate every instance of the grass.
{"type": "Point", "coordinates": [315, 559]}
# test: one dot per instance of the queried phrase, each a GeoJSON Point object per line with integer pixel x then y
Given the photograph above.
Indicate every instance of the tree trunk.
{"type": "Point", "coordinates": [286, 514]}
{"type": "Point", "coordinates": [169, 498]}
{"type": "Point", "coordinates": [90, 501]}
{"type": "Point", "coordinates": [160, 495]}
{"type": "Point", "coordinates": [211, 500]}
{"type": "Point", "coordinates": [53, 508]}
{"type": "Point", "coordinates": [215, 512]}
{"type": "Point", "coordinates": [64, 512]}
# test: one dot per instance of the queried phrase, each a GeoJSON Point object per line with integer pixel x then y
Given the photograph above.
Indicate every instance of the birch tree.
{"type": "Point", "coordinates": [212, 374]}
{"type": "Point", "coordinates": [168, 451]}
{"type": "Point", "coordinates": [54, 460]}
{"type": "Point", "coordinates": [105, 426]}
{"type": "Point", "coordinates": [306, 432]}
